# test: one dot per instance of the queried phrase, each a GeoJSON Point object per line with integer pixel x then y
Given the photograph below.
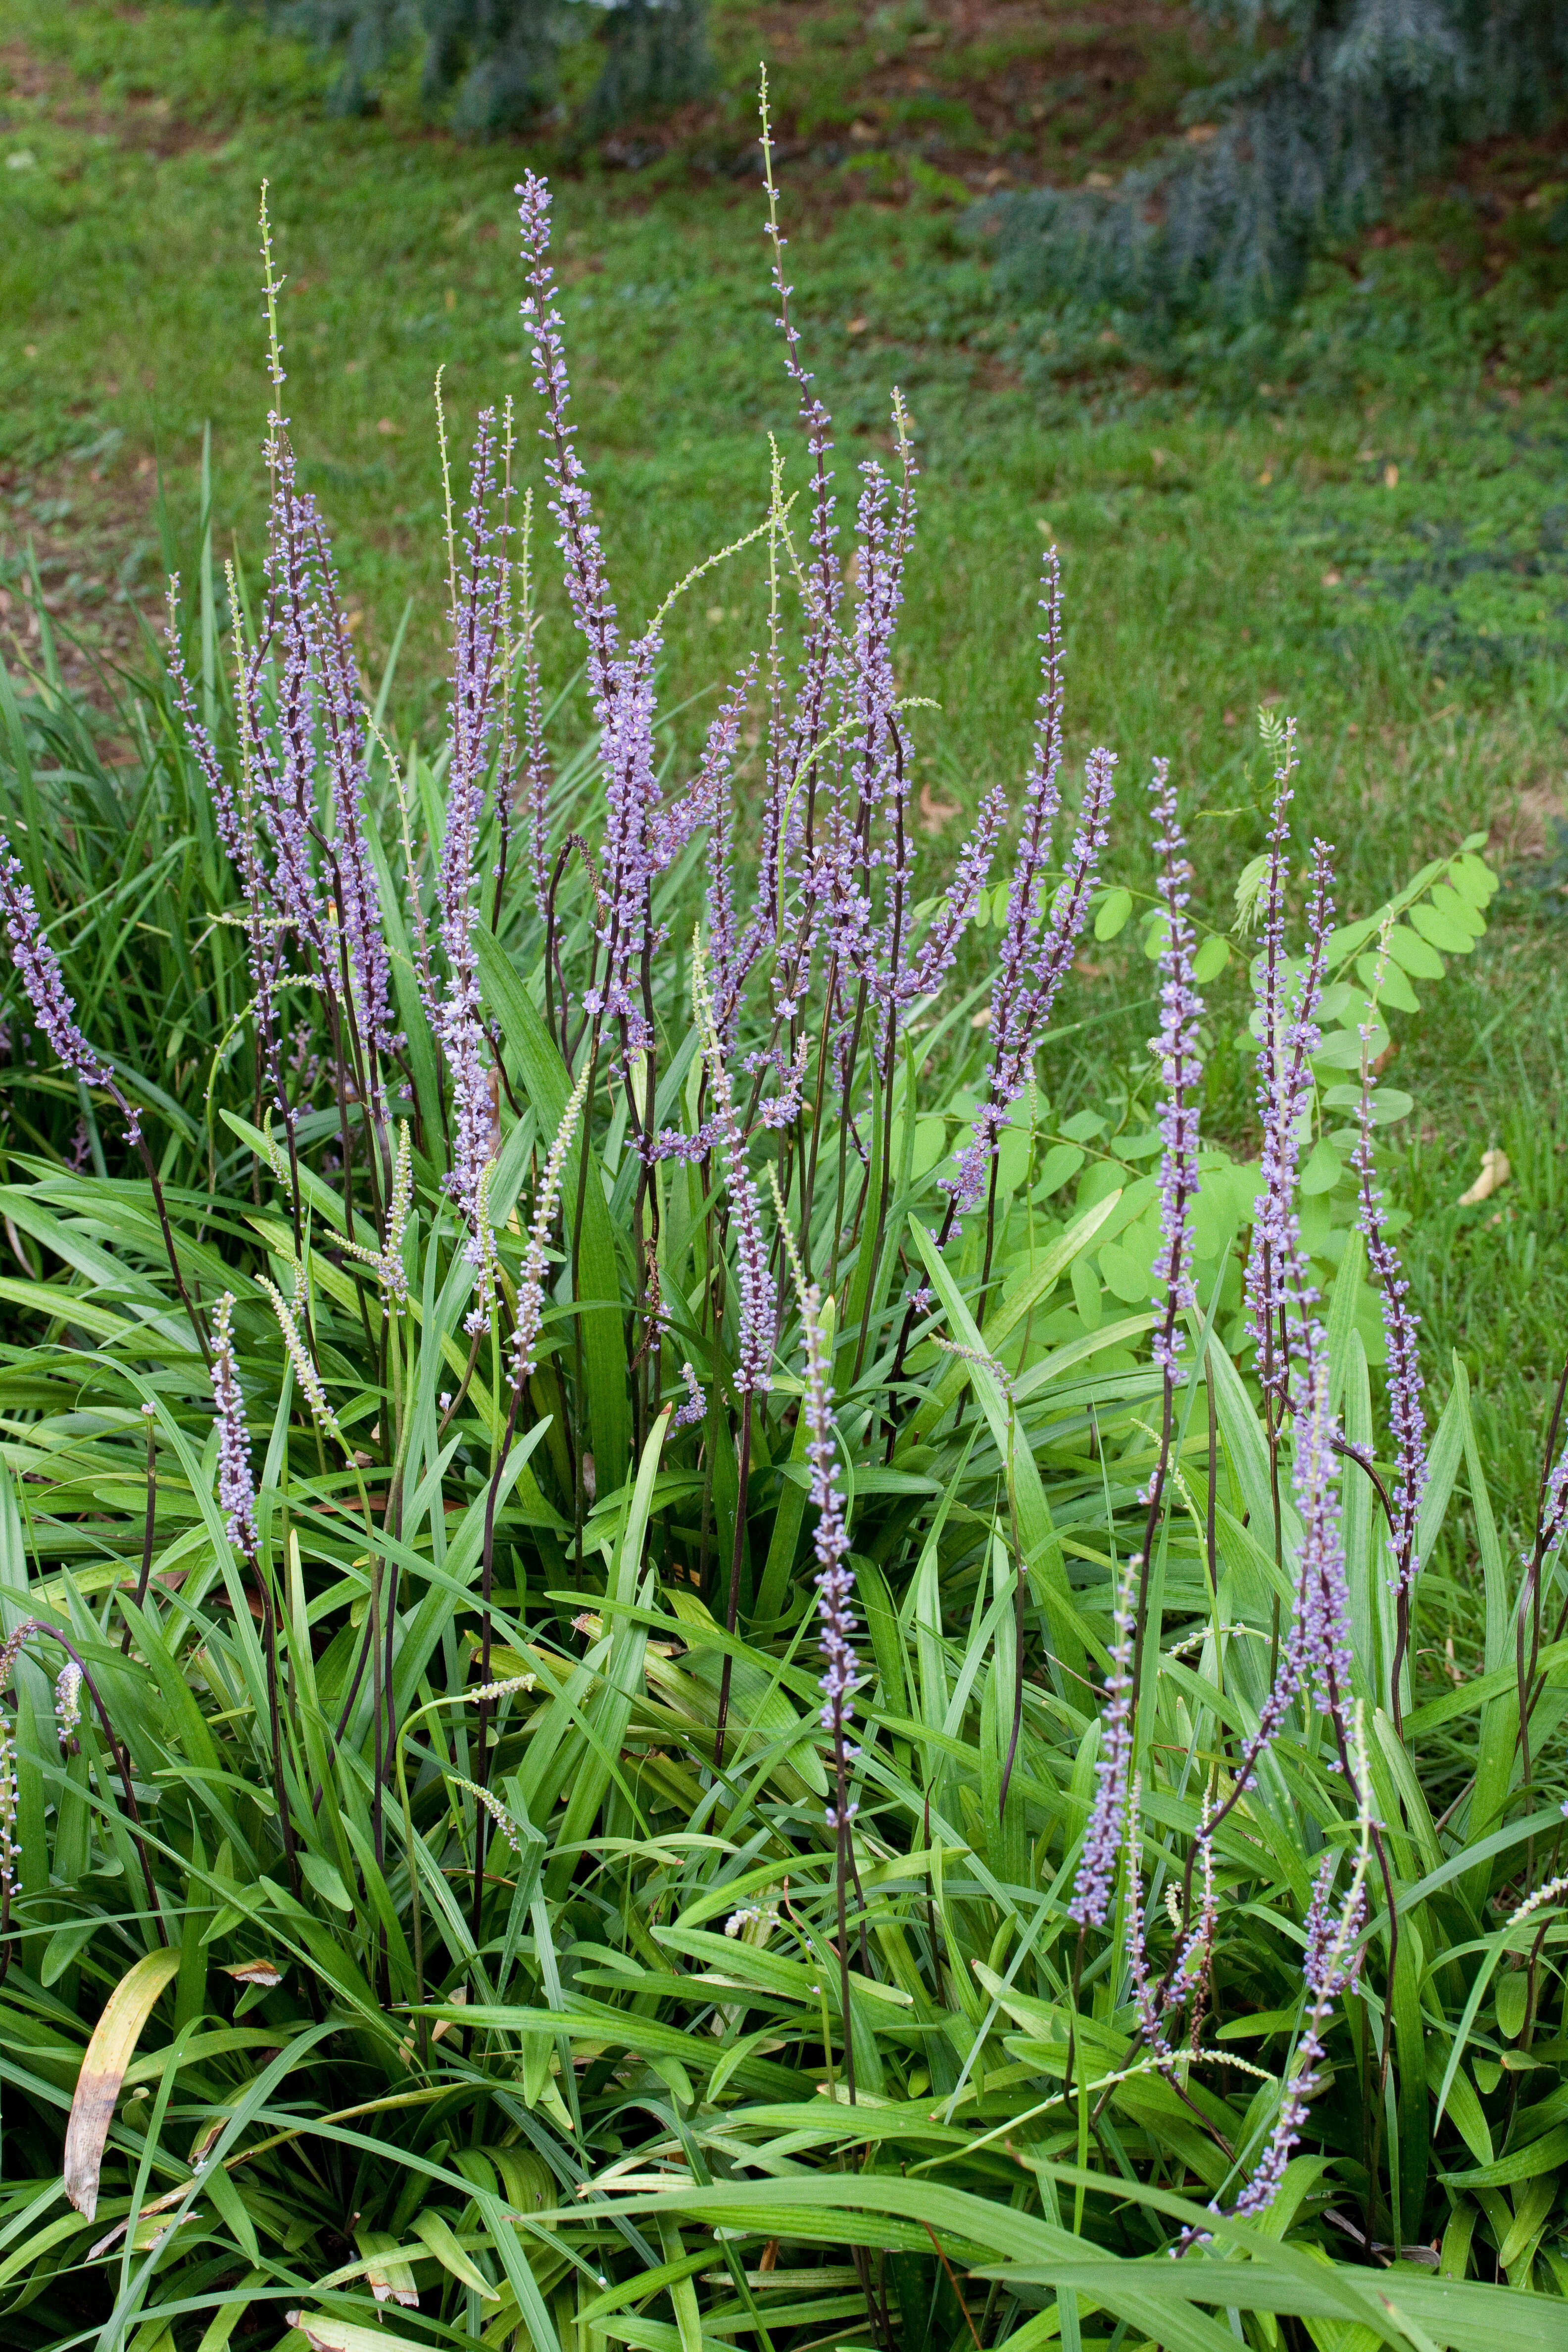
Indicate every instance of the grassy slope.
{"type": "Point", "coordinates": [1355, 517]}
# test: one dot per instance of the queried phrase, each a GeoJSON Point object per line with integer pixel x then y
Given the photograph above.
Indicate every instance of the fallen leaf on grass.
{"type": "Point", "coordinates": [934, 813]}
{"type": "Point", "coordinates": [324, 2334]}
{"type": "Point", "coordinates": [1495, 1173]}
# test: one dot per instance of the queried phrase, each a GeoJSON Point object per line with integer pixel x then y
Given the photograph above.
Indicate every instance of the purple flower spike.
{"type": "Point", "coordinates": [758, 1292]}
{"type": "Point", "coordinates": [1554, 1511]}
{"type": "Point", "coordinates": [230, 831]}
{"type": "Point", "coordinates": [758, 1300]}
{"type": "Point", "coordinates": [1289, 1036]}
{"type": "Point", "coordinates": [695, 1407]}
{"type": "Point", "coordinates": [1146, 2000]}
{"type": "Point", "coordinates": [536, 769]}
{"type": "Point", "coordinates": [1036, 961]}
{"type": "Point", "coordinates": [1181, 1069]}
{"type": "Point", "coordinates": [1108, 1814]}
{"type": "Point", "coordinates": [1322, 1602]}
{"type": "Point", "coordinates": [357, 890]}
{"type": "Point", "coordinates": [1401, 1327]}
{"type": "Point", "coordinates": [707, 800]}
{"type": "Point", "coordinates": [586, 584]}
{"type": "Point", "coordinates": [620, 685]}
{"type": "Point", "coordinates": [1329, 1965]}
{"type": "Point", "coordinates": [235, 1486]}
{"type": "Point", "coordinates": [970, 874]}
{"type": "Point", "coordinates": [1037, 945]}
{"type": "Point", "coordinates": [38, 969]}
{"type": "Point", "coordinates": [834, 1578]}
{"type": "Point", "coordinates": [477, 615]}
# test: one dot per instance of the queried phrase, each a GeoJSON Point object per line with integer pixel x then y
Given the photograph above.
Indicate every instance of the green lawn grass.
{"type": "Point", "coordinates": [1358, 517]}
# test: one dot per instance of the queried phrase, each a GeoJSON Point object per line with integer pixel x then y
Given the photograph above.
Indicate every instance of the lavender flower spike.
{"type": "Point", "coordinates": [1329, 1965]}
{"type": "Point", "coordinates": [587, 587]}
{"type": "Point", "coordinates": [1145, 1995]}
{"type": "Point", "coordinates": [1180, 1069]}
{"type": "Point", "coordinates": [1032, 968]}
{"type": "Point", "coordinates": [235, 1486]}
{"type": "Point", "coordinates": [695, 1407]}
{"type": "Point", "coordinates": [834, 1578]}
{"type": "Point", "coordinates": [475, 664]}
{"type": "Point", "coordinates": [1277, 1290]}
{"type": "Point", "coordinates": [1102, 1838]}
{"type": "Point", "coordinates": [1322, 1599]}
{"type": "Point", "coordinates": [39, 968]}
{"type": "Point", "coordinates": [758, 1298]}
{"type": "Point", "coordinates": [1401, 1327]}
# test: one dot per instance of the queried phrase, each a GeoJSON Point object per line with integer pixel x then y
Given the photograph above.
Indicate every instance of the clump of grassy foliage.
{"type": "Point", "coordinates": [440, 1900]}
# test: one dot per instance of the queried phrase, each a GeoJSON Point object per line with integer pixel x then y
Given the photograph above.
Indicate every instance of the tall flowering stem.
{"type": "Point", "coordinates": [1102, 1837]}
{"type": "Point", "coordinates": [1039, 940]}
{"type": "Point", "coordinates": [1278, 1106]}
{"type": "Point", "coordinates": [1040, 934]}
{"type": "Point", "coordinates": [757, 1303]}
{"type": "Point", "coordinates": [1289, 1037]}
{"type": "Point", "coordinates": [1159, 2005]}
{"type": "Point", "coordinates": [835, 1597]}
{"type": "Point", "coordinates": [1330, 1967]}
{"type": "Point", "coordinates": [477, 663]}
{"type": "Point", "coordinates": [1276, 1289]}
{"type": "Point", "coordinates": [1406, 1418]}
{"type": "Point", "coordinates": [795, 757]}
{"type": "Point", "coordinates": [1181, 1072]}
{"type": "Point", "coordinates": [836, 1618]}
{"type": "Point", "coordinates": [620, 683]}
{"type": "Point", "coordinates": [1315, 1663]}
{"type": "Point", "coordinates": [236, 1500]}
{"type": "Point", "coordinates": [1323, 1636]}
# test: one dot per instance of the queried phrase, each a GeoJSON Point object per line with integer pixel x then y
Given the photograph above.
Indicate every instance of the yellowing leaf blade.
{"type": "Point", "coordinates": [104, 2065]}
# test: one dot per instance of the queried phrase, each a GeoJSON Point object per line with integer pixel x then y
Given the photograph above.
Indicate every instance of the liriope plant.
{"type": "Point", "coordinates": [620, 1725]}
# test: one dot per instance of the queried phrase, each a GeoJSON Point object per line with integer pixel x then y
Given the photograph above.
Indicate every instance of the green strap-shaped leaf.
{"type": "Point", "coordinates": [1042, 1552]}
{"type": "Point", "coordinates": [545, 1078]}
{"type": "Point", "coordinates": [623, 1673]}
{"type": "Point", "coordinates": [1010, 1311]}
